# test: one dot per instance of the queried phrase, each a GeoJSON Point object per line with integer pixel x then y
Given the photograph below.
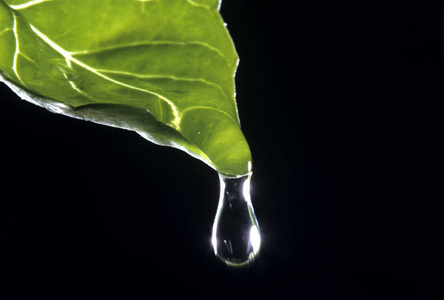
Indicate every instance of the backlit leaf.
{"type": "Point", "coordinates": [162, 68]}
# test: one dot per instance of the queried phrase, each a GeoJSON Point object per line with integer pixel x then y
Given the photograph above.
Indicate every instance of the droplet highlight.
{"type": "Point", "coordinates": [236, 237]}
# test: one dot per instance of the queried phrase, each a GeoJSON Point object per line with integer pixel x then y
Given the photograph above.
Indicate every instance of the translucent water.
{"type": "Point", "coordinates": [236, 238]}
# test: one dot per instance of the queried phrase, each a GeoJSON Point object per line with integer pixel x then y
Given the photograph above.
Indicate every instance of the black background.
{"type": "Point", "coordinates": [342, 106]}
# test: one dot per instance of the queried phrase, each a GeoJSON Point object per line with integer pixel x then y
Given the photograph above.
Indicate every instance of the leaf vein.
{"type": "Point", "coordinates": [198, 4]}
{"type": "Point", "coordinates": [17, 50]}
{"type": "Point", "coordinates": [5, 30]}
{"type": "Point", "coordinates": [28, 4]}
{"type": "Point", "coordinates": [68, 56]}
{"type": "Point", "coordinates": [172, 77]}
{"type": "Point", "coordinates": [206, 107]}
{"type": "Point", "coordinates": [129, 45]}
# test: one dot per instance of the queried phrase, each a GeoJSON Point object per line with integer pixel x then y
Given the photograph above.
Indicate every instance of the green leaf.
{"type": "Point", "coordinates": [162, 68]}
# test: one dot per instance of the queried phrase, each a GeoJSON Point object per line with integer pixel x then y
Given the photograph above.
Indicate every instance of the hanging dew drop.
{"type": "Point", "coordinates": [236, 238]}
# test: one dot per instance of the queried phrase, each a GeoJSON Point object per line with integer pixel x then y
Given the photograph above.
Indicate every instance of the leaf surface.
{"type": "Point", "coordinates": [162, 68]}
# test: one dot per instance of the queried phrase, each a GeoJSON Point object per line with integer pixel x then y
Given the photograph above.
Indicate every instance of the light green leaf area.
{"type": "Point", "coordinates": [162, 68]}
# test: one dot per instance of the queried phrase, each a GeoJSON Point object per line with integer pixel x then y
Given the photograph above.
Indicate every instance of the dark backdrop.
{"type": "Point", "coordinates": [342, 106]}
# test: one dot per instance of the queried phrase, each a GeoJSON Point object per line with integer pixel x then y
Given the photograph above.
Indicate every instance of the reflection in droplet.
{"type": "Point", "coordinates": [236, 238]}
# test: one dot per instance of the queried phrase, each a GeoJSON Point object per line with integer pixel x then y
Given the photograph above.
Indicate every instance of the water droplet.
{"type": "Point", "coordinates": [236, 238]}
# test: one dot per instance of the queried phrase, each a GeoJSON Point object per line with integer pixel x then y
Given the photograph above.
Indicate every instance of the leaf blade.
{"type": "Point", "coordinates": [179, 71]}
